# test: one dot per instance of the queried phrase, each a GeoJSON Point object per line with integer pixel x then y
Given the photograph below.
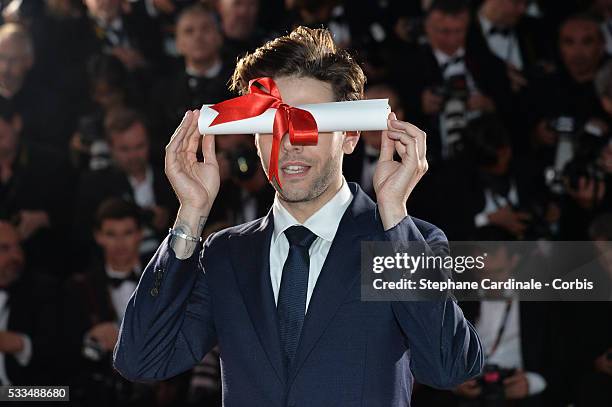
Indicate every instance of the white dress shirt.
{"type": "Point", "coordinates": [506, 48]}
{"type": "Point", "coordinates": [323, 223]}
{"type": "Point", "coordinates": [493, 202]}
{"type": "Point", "coordinates": [120, 296]}
{"type": "Point", "coordinates": [23, 357]}
{"type": "Point", "coordinates": [144, 195]}
{"type": "Point", "coordinates": [508, 353]}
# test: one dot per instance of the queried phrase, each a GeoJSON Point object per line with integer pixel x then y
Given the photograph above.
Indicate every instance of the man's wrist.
{"type": "Point", "coordinates": [391, 214]}
{"type": "Point", "coordinates": [189, 222]}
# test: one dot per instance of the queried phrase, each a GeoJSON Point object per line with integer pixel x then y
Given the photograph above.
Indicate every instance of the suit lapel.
{"type": "Point", "coordinates": [339, 273]}
{"type": "Point", "coordinates": [250, 257]}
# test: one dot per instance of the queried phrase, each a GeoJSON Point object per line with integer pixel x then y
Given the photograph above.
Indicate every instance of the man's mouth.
{"type": "Point", "coordinates": [295, 169]}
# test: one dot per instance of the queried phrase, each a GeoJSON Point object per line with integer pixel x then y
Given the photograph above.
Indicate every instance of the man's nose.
{"type": "Point", "coordinates": [287, 146]}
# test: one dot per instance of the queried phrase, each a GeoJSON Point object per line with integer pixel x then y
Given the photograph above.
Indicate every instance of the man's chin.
{"type": "Point", "coordinates": [295, 191]}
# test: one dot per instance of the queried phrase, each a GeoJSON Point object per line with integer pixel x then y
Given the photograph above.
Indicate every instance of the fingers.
{"type": "Point", "coordinates": [191, 141]}
{"type": "Point", "coordinates": [179, 133]}
{"type": "Point", "coordinates": [414, 132]}
{"type": "Point", "coordinates": [208, 149]}
{"type": "Point", "coordinates": [387, 145]}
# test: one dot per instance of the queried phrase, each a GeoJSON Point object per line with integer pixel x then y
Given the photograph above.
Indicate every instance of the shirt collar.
{"type": "Point", "coordinates": [148, 178]}
{"type": "Point", "coordinates": [443, 58]}
{"type": "Point", "coordinates": [211, 72]}
{"type": "Point", "coordinates": [323, 223]}
{"type": "Point", "coordinates": [485, 24]}
{"type": "Point", "coordinates": [121, 274]}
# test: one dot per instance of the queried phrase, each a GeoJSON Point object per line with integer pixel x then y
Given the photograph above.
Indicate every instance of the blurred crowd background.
{"type": "Point", "coordinates": [515, 96]}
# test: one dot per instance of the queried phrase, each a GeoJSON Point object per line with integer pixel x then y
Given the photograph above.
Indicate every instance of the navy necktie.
{"type": "Point", "coordinates": [291, 306]}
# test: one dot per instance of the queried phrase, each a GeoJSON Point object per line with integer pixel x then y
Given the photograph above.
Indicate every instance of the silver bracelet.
{"type": "Point", "coordinates": [184, 236]}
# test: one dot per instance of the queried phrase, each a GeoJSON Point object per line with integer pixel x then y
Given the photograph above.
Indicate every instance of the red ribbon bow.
{"type": "Point", "coordinates": [300, 123]}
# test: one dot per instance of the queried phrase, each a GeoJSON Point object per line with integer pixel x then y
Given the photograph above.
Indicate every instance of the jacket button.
{"type": "Point", "coordinates": [154, 291]}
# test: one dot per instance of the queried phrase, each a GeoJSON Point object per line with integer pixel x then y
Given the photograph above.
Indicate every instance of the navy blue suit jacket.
{"type": "Point", "coordinates": [351, 353]}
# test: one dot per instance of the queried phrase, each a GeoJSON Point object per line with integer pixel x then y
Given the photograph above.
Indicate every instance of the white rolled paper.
{"type": "Point", "coordinates": [357, 115]}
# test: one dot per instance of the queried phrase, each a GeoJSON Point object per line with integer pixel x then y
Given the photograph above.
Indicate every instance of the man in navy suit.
{"type": "Point", "coordinates": [281, 295]}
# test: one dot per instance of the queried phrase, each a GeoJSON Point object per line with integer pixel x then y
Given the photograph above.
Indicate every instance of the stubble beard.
{"type": "Point", "coordinates": [319, 186]}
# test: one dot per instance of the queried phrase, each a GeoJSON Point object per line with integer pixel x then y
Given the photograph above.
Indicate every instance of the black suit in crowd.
{"type": "Point", "coordinates": [41, 180]}
{"type": "Point", "coordinates": [86, 303]}
{"type": "Point", "coordinates": [34, 311]}
{"type": "Point", "coordinates": [461, 183]}
{"type": "Point", "coordinates": [420, 71]}
{"type": "Point", "coordinates": [533, 42]}
{"type": "Point", "coordinates": [96, 186]}
{"type": "Point", "coordinates": [179, 92]}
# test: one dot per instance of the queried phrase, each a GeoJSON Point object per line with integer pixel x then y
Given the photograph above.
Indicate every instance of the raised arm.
{"type": "Point", "coordinates": [445, 348]}
{"type": "Point", "coordinates": [168, 325]}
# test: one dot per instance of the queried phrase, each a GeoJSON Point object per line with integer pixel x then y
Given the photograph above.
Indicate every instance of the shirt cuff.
{"type": "Point", "coordinates": [23, 357]}
{"type": "Point", "coordinates": [537, 383]}
{"type": "Point", "coordinates": [480, 220]}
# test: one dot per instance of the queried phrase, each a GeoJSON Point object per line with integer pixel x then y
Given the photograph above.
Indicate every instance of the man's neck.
{"type": "Point", "coordinates": [139, 176]}
{"type": "Point", "coordinates": [301, 211]}
{"type": "Point", "coordinates": [125, 267]}
{"type": "Point", "coordinates": [201, 68]}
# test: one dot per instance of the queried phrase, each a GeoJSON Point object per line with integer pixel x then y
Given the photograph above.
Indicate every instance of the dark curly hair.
{"type": "Point", "coordinates": [305, 52]}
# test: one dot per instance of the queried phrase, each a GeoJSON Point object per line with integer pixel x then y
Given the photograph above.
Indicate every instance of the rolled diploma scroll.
{"type": "Point", "coordinates": [356, 115]}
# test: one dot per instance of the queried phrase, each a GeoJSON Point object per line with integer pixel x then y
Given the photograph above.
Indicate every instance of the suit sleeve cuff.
{"type": "Point", "coordinates": [536, 382]}
{"type": "Point", "coordinates": [25, 355]}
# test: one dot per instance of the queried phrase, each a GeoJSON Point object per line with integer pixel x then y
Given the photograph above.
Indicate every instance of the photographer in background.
{"type": "Point", "coordinates": [564, 102]}
{"type": "Point", "coordinates": [109, 89]}
{"type": "Point", "coordinates": [517, 337]}
{"type": "Point", "coordinates": [490, 186]}
{"type": "Point", "coordinates": [131, 177]}
{"type": "Point", "coordinates": [445, 83]}
{"type": "Point", "coordinates": [94, 302]}
{"type": "Point", "coordinates": [586, 177]}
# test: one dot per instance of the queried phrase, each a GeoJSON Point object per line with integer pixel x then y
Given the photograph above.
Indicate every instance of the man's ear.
{"type": "Point", "coordinates": [351, 139]}
{"type": "Point", "coordinates": [97, 234]}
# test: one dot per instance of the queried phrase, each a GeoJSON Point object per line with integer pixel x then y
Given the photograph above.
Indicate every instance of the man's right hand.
{"type": "Point", "coordinates": [196, 184]}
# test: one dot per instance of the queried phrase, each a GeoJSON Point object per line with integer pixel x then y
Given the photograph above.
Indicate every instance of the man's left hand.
{"type": "Point", "coordinates": [394, 181]}
{"type": "Point", "coordinates": [516, 386]}
{"type": "Point", "coordinates": [10, 342]}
